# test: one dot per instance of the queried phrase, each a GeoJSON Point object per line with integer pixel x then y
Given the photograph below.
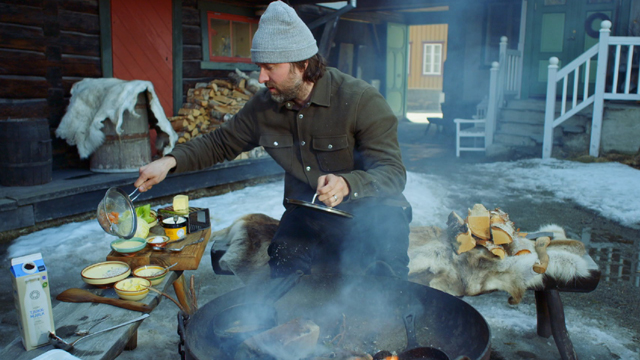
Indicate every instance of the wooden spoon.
{"type": "Point", "coordinates": [79, 296]}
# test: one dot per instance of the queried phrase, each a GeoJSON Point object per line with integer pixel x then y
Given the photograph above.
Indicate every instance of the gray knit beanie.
{"type": "Point", "coordinates": [282, 37]}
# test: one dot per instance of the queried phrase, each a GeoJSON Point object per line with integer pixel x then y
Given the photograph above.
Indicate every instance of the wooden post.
{"type": "Point", "coordinates": [180, 287]}
{"type": "Point", "coordinates": [492, 106]}
{"type": "Point", "coordinates": [550, 110]}
{"type": "Point", "coordinates": [502, 75]}
{"type": "Point", "coordinates": [542, 312]}
{"type": "Point", "coordinates": [601, 77]}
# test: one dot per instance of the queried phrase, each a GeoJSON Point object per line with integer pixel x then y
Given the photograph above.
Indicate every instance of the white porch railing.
{"type": "Point", "coordinates": [600, 93]}
{"type": "Point", "coordinates": [505, 80]}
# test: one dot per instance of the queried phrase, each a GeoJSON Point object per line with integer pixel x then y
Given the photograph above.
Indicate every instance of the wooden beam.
{"type": "Point", "coordinates": [329, 17]}
{"type": "Point", "coordinates": [328, 34]}
{"type": "Point", "coordinates": [177, 54]}
{"type": "Point", "coordinates": [106, 49]}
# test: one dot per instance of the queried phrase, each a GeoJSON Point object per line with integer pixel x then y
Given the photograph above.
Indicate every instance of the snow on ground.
{"type": "Point", "coordinates": [610, 189]}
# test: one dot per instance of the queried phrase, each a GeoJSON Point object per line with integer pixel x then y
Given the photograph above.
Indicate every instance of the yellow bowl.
{"type": "Point", "coordinates": [154, 273]}
{"type": "Point", "coordinates": [105, 273]}
{"type": "Point", "coordinates": [128, 246]}
{"type": "Point", "coordinates": [132, 288]}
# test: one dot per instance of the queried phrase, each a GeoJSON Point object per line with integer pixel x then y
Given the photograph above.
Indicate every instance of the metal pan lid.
{"type": "Point", "coordinates": [319, 207]}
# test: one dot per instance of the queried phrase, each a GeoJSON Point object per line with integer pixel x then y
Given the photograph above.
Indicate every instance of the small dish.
{"type": "Point", "coordinates": [158, 240]}
{"type": "Point", "coordinates": [154, 215]}
{"type": "Point", "coordinates": [134, 288]}
{"type": "Point", "coordinates": [128, 247]}
{"type": "Point", "coordinates": [154, 273]}
{"type": "Point", "coordinates": [105, 273]}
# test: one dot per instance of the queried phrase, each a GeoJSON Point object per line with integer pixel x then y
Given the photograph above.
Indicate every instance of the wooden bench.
{"type": "Point", "coordinates": [70, 317]}
{"type": "Point", "coordinates": [549, 308]}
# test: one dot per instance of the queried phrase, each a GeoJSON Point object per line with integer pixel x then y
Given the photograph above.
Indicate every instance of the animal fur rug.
{"type": "Point", "coordinates": [433, 259]}
{"type": "Point", "coordinates": [94, 100]}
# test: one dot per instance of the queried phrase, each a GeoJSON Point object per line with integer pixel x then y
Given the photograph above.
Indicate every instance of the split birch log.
{"type": "Point", "coordinates": [496, 250]}
{"type": "Point", "coordinates": [479, 221]}
{"type": "Point", "coordinates": [457, 229]}
{"type": "Point", "coordinates": [502, 233]}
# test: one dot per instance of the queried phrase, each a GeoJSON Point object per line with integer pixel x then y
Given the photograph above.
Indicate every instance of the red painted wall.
{"type": "Point", "coordinates": [142, 45]}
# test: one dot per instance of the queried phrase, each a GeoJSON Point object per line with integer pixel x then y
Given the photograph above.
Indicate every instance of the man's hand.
{"type": "Point", "coordinates": [154, 173]}
{"type": "Point", "coordinates": [332, 189]}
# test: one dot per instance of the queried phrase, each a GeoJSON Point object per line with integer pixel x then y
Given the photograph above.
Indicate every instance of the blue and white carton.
{"type": "Point", "coordinates": [32, 300]}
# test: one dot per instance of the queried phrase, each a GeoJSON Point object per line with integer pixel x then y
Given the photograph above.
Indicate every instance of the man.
{"type": "Point", "coordinates": [333, 135]}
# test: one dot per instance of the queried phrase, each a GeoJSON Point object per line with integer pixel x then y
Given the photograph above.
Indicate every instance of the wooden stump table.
{"type": "Point", "coordinates": [71, 317]}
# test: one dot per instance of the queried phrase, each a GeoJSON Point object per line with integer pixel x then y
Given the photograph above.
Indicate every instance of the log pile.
{"type": "Point", "coordinates": [489, 228]}
{"type": "Point", "coordinates": [211, 104]}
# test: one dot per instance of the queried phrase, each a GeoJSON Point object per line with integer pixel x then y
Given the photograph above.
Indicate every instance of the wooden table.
{"type": "Point", "coordinates": [69, 317]}
{"type": "Point", "coordinates": [187, 259]}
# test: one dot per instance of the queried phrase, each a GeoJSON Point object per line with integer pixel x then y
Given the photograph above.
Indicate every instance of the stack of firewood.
{"type": "Point", "coordinates": [489, 228]}
{"type": "Point", "coordinates": [210, 104]}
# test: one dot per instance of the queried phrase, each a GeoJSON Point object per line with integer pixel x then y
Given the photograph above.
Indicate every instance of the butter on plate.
{"type": "Point", "coordinates": [181, 204]}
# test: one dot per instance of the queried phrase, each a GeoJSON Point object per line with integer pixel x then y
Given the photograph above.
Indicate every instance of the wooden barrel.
{"type": "Point", "coordinates": [128, 151]}
{"type": "Point", "coordinates": [25, 152]}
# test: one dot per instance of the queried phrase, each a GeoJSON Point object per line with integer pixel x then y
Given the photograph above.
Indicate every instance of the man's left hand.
{"type": "Point", "coordinates": [332, 189]}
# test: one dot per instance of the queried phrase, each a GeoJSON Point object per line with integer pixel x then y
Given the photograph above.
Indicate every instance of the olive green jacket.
{"type": "Point", "coordinates": [345, 129]}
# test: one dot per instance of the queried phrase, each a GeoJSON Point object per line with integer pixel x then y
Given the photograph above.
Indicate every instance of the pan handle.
{"type": "Point", "coordinates": [410, 327]}
{"type": "Point", "coordinates": [281, 287]}
{"type": "Point", "coordinates": [183, 320]}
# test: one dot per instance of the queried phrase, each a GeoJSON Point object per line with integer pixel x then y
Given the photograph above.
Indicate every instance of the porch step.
{"type": "Point", "coordinates": [522, 129]}
{"type": "Point", "coordinates": [514, 140]}
{"type": "Point", "coordinates": [521, 116]}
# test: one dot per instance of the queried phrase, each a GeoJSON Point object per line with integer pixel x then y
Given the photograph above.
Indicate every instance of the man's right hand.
{"type": "Point", "coordinates": [154, 173]}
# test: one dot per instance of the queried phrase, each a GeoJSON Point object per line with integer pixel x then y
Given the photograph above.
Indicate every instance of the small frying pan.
{"type": "Point", "coordinates": [319, 207]}
{"type": "Point", "coordinates": [414, 350]}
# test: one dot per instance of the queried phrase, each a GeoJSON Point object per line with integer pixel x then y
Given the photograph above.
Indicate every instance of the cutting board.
{"type": "Point", "coordinates": [187, 259]}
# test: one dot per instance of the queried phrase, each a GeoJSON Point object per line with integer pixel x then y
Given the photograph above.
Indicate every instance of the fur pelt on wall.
{"type": "Point", "coordinates": [433, 260]}
{"type": "Point", "coordinates": [94, 100]}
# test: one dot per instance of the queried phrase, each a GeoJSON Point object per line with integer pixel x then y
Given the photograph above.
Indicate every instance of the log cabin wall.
{"type": "Point", "coordinates": [192, 50]}
{"type": "Point", "coordinates": [45, 47]}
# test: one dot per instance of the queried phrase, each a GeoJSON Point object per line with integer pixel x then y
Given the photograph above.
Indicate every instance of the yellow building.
{"type": "Point", "coordinates": [427, 54]}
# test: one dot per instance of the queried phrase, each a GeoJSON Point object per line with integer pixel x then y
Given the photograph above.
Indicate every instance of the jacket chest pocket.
{"type": "Point", "coordinates": [280, 148]}
{"type": "Point", "coordinates": [333, 153]}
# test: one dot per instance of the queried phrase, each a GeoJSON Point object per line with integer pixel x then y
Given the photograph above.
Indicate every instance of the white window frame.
{"type": "Point", "coordinates": [432, 48]}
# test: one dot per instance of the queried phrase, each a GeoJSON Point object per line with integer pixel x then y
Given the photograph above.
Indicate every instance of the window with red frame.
{"type": "Point", "coordinates": [230, 37]}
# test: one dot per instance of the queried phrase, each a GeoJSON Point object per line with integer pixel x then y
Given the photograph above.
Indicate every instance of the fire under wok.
{"type": "Point", "coordinates": [359, 314]}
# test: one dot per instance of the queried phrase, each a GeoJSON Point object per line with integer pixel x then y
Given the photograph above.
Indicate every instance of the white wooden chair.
{"type": "Point", "coordinates": [470, 128]}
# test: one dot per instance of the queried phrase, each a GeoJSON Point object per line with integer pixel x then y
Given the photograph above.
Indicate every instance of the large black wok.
{"type": "Point", "coordinates": [373, 308]}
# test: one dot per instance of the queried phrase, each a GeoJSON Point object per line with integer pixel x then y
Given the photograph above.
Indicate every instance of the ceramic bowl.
{"type": "Point", "coordinates": [129, 246]}
{"type": "Point", "coordinates": [154, 215]}
{"type": "Point", "coordinates": [154, 273]}
{"type": "Point", "coordinates": [134, 288]}
{"type": "Point", "coordinates": [158, 240]}
{"type": "Point", "coordinates": [105, 273]}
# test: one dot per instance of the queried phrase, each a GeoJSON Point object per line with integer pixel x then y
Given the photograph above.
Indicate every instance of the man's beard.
{"type": "Point", "coordinates": [287, 92]}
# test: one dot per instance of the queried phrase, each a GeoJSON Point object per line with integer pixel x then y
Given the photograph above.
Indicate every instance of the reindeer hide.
{"type": "Point", "coordinates": [94, 100]}
{"type": "Point", "coordinates": [433, 260]}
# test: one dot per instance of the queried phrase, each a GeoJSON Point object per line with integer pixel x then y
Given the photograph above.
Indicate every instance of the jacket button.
{"type": "Point", "coordinates": [302, 143]}
{"type": "Point", "coordinates": [275, 143]}
{"type": "Point", "coordinates": [308, 168]}
{"type": "Point", "coordinates": [330, 146]}
{"type": "Point", "coordinates": [355, 194]}
{"type": "Point", "coordinates": [300, 116]}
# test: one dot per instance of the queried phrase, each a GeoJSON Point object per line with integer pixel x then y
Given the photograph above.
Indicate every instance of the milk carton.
{"type": "Point", "coordinates": [32, 300]}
